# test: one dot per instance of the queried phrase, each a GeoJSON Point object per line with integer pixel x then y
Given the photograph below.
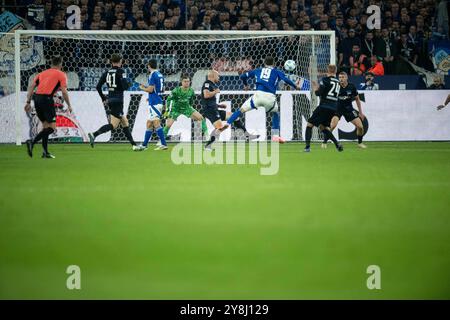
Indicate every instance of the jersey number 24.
{"type": "Point", "coordinates": [334, 91]}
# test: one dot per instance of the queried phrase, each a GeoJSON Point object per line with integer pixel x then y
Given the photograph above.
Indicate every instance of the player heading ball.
{"type": "Point", "coordinates": [267, 80]}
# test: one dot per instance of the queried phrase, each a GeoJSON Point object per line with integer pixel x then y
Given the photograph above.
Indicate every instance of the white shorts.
{"type": "Point", "coordinates": [154, 112]}
{"type": "Point", "coordinates": [261, 99]}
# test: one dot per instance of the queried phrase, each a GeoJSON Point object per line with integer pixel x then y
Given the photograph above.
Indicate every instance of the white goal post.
{"type": "Point", "coordinates": [85, 53]}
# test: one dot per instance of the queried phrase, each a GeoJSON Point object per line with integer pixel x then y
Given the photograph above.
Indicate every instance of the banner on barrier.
{"type": "Point", "coordinates": [391, 115]}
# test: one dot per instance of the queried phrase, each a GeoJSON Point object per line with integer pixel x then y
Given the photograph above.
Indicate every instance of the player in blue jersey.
{"type": "Point", "coordinates": [155, 90]}
{"type": "Point", "coordinates": [267, 80]}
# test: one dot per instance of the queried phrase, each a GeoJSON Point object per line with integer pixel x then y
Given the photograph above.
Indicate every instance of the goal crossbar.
{"type": "Point", "coordinates": [147, 36]}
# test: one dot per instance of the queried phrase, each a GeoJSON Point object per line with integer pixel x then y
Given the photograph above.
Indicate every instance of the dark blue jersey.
{"type": "Point", "coordinates": [346, 96]}
{"type": "Point", "coordinates": [116, 81]}
{"type": "Point", "coordinates": [328, 93]}
{"type": "Point", "coordinates": [213, 101]}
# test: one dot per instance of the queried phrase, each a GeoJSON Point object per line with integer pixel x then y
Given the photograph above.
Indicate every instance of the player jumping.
{"type": "Point", "coordinates": [347, 95]}
{"type": "Point", "coordinates": [155, 90]}
{"type": "Point", "coordinates": [328, 91]}
{"type": "Point", "coordinates": [267, 80]}
{"type": "Point", "coordinates": [116, 81]}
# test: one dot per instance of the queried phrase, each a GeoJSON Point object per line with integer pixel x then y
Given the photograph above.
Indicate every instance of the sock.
{"type": "Point", "coordinates": [204, 127]}
{"type": "Point", "coordinates": [238, 123]}
{"type": "Point", "coordinates": [48, 132]}
{"type": "Point", "coordinates": [234, 116]}
{"type": "Point", "coordinates": [330, 136]}
{"type": "Point", "coordinates": [308, 135]}
{"type": "Point", "coordinates": [325, 139]}
{"type": "Point", "coordinates": [160, 133]}
{"type": "Point", "coordinates": [148, 135]}
{"type": "Point", "coordinates": [360, 139]}
{"type": "Point", "coordinates": [214, 136]}
{"type": "Point", "coordinates": [40, 135]}
{"type": "Point", "coordinates": [105, 128]}
{"type": "Point", "coordinates": [166, 130]}
{"type": "Point", "coordinates": [276, 123]}
{"type": "Point", "coordinates": [126, 131]}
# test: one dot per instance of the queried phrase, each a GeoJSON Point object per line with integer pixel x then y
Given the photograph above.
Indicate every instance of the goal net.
{"type": "Point", "coordinates": [8, 122]}
{"type": "Point", "coordinates": [86, 55]}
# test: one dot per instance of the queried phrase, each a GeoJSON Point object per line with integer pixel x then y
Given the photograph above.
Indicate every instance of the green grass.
{"type": "Point", "coordinates": [141, 227]}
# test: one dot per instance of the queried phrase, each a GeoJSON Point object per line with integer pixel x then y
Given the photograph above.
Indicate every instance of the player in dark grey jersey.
{"type": "Point", "coordinates": [210, 98]}
{"type": "Point", "coordinates": [328, 92]}
{"type": "Point", "coordinates": [347, 95]}
{"type": "Point", "coordinates": [116, 81]}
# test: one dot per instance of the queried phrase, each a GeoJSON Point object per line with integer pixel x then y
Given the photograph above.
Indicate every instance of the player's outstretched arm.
{"type": "Point", "coordinates": [288, 81]}
{"type": "Point", "coordinates": [245, 76]}
{"type": "Point", "coordinates": [442, 106]}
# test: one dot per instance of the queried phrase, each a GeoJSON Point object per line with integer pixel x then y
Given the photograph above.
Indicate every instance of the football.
{"type": "Point", "coordinates": [290, 65]}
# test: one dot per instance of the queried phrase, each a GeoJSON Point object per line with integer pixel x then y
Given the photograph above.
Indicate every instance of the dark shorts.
{"type": "Point", "coordinates": [45, 108]}
{"type": "Point", "coordinates": [212, 113]}
{"type": "Point", "coordinates": [116, 108]}
{"type": "Point", "coordinates": [349, 114]}
{"type": "Point", "coordinates": [322, 116]}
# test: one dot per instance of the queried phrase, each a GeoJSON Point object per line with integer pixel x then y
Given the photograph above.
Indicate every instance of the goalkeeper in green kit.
{"type": "Point", "coordinates": [180, 102]}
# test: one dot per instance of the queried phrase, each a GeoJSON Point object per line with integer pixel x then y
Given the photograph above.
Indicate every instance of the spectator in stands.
{"type": "Point", "coordinates": [442, 18]}
{"type": "Point", "coordinates": [438, 83]}
{"type": "Point", "coordinates": [244, 65]}
{"type": "Point", "coordinates": [413, 38]}
{"type": "Point", "coordinates": [407, 49]}
{"type": "Point", "coordinates": [415, 18]}
{"type": "Point", "coordinates": [367, 44]}
{"type": "Point", "coordinates": [128, 25]}
{"type": "Point", "coordinates": [386, 49]}
{"type": "Point", "coordinates": [141, 25]}
{"type": "Point", "coordinates": [420, 27]}
{"type": "Point", "coordinates": [377, 67]}
{"type": "Point", "coordinates": [160, 20]}
{"type": "Point", "coordinates": [347, 46]}
{"type": "Point", "coordinates": [358, 62]}
{"type": "Point", "coordinates": [369, 83]}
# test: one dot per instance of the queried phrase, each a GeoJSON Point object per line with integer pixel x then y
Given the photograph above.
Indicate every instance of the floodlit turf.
{"type": "Point", "coordinates": [141, 227]}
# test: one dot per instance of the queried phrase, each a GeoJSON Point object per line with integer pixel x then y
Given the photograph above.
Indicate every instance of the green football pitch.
{"type": "Point", "coordinates": [141, 227]}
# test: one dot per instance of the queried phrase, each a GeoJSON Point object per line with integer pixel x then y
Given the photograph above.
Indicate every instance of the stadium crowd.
{"type": "Point", "coordinates": [407, 25]}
